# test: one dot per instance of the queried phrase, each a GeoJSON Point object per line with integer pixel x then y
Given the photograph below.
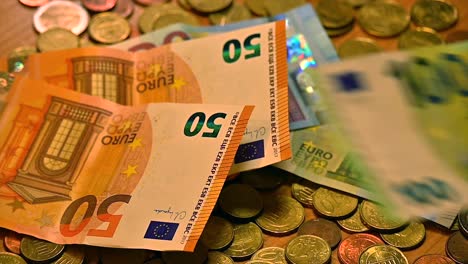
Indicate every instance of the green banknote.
{"type": "Point", "coordinates": [405, 116]}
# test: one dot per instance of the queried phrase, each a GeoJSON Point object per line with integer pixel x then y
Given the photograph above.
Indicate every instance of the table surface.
{"type": "Point", "coordinates": [16, 29]}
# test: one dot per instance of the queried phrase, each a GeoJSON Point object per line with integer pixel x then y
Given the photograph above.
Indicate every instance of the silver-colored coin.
{"type": "Point", "coordinates": [64, 14]}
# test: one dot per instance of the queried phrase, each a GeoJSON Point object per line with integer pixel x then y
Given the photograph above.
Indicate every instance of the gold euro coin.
{"type": "Point", "coordinates": [57, 39]}
{"type": "Point", "coordinates": [383, 18]}
{"type": "Point", "coordinates": [308, 249]}
{"type": "Point", "coordinates": [216, 257]}
{"type": "Point", "coordinates": [378, 217]}
{"type": "Point", "coordinates": [382, 254]}
{"type": "Point", "coordinates": [435, 14]}
{"type": "Point", "coordinates": [49, 251]}
{"type": "Point", "coordinates": [333, 203]}
{"type": "Point", "coordinates": [335, 13]}
{"type": "Point", "coordinates": [278, 7]}
{"type": "Point", "coordinates": [357, 47]}
{"type": "Point", "coordinates": [235, 13]}
{"type": "Point", "coordinates": [161, 15]}
{"type": "Point", "coordinates": [335, 32]}
{"type": "Point", "coordinates": [419, 37]}
{"type": "Point", "coordinates": [281, 214]}
{"type": "Point", "coordinates": [304, 192]}
{"type": "Point", "coordinates": [209, 6]}
{"type": "Point", "coordinates": [274, 255]}
{"type": "Point", "coordinates": [73, 254]}
{"type": "Point", "coordinates": [218, 233]}
{"type": "Point", "coordinates": [410, 237]}
{"type": "Point", "coordinates": [353, 223]}
{"type": "Point", "coordinates": [240, 201]}
{"type": "Point", "coordinates": [198, 256]}
{"type": "Point", "coordinates": [108, 28]}
{"type": "Point", "coordinates": [11, 258]}
{"type": "Point", "coordinates": [257, 7]}
{"type": "Point", "coordinates": [248, 239]}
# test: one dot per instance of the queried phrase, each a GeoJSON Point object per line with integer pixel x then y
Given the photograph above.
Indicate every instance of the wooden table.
{"type": "Point", "coordinates": [16, 29]}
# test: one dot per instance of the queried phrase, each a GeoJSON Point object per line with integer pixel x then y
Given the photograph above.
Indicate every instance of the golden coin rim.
{"type": "Point", "coordinates": [342, 213]}
{"type": "Point", "coordinates": [292, 225]}
{"type": "Point", "coordinates": [395, 240]}
{"type": "Point", "coordinates": [94, 21]}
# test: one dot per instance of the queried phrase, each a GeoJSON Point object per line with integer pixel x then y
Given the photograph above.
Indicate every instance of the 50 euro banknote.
{"type": "Point", "coordinates": [247, 66]}
{"type": "Point", "coordinates": [308, 46]}
{"type": "Point", "coordinates": [78, 169]}
{"type": "Point", "coordinates": [402, 137]}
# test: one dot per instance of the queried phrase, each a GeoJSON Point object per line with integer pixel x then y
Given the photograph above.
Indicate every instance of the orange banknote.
{"type": "Point", "coordinates": [79, 169]}
{"type": "Point", "coordinates": [246, 66]}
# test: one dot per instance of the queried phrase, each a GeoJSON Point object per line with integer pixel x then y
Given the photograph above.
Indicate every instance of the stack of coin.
{"type": "Point", "coordinates": [336, 16]}
{"type": "Point", "coordinates": [387, 19]}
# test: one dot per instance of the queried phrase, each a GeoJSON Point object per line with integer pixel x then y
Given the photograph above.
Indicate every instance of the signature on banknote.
{"type": "Point", "coordinates": [180, 215]}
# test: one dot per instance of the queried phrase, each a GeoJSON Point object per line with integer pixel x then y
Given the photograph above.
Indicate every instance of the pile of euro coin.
{"type": "Point", "coordinates": [264, 216]}
{"type": "Point", "coordinates": [309, 224]}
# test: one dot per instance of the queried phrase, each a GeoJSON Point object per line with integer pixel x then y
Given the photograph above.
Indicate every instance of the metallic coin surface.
{"type": "Point", "coordinates": [352, 246]}
{"type": "Point", "coordinates": [433, 259]}
{"type": "Point", "coordinates": [198, 256]}
{"type": "Point", "coordinates": [357, 47]}
{"type": "Point", "coordinates": [281, 214]}
{"type": "Point", "coordinates": [435, 14]}
{"type": "Point", "coordinates": [323, 228]}
{"type": "Point", "coordinates": [258, 262]}
{"type": "Point", "coordinates": [410, 237]}
{"type": "Point", "coordinates": [184, 4]}
{"type": "Point", "coordinates": [73, 254]}
{"type": "Point", "coordinates": [57, 39]}
{"type": "Point", "coordinates": [34, 3]}
{"type": "Point", "coordinates": [456, 248]}
{"type": "Point", "coordinates": [215, 257]}
{"type": "Point", "coordinates": [248, 239]}
{"type": "Point", "coordinates": [335, 13]}
{"type": "Point", "coordinates": [335, 32]}
{"type": "Point", "coordinates": [333, 203]}
{"type": "Point", "coordinates": [218, 233]}
{"type": "Point", "coordinates": [124, 8]}
{"type": "Point", "coordinates": [384, 18]}
{"type": "Point", "coordinates": [162, 15]}
{"type": "Point", "coordinates": [308, 249]}
{"type": "Point", "coordinates": [12, 241]}
{"type": "Point", "coordinates": [304, 192]}
{"type": "Point", "coordinates": [108, 28]}
{"type": "Point", "coordinates": [377, 217]}
{"type": "Point", "coordinates": [382, 254]}
{"type": "Point", "coordinates": [274, 255]}
{"type": "Point", "coordinates": [240, 201]}
{"type": "Point", "coordinates": [11, 258]}
{"type": "Point", "coordinates": [38, 250]}
{"type": "Point", "coordinates": [209, 6]}
{"type": "Point", "coordinates": [266, 178]}
{"type": "Point", "coordinates": [64, 14]}
{"type": "Point", "coordinates": [357, 3]}
{"type": "Point", "coordinates": [151, 2]}
{"type": "Point", "coordinates": [278, 7]}
{"type": "Point", "coordinates": [419, 37]}
{"type": "Point", "coordinates": [99, 5]}
{"type": "Point", "coordinates": [463, 221]}
{"type": "Point", "coordinates": [257, 7]}
{"type": "Point", "coordinates": [353, 223]}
